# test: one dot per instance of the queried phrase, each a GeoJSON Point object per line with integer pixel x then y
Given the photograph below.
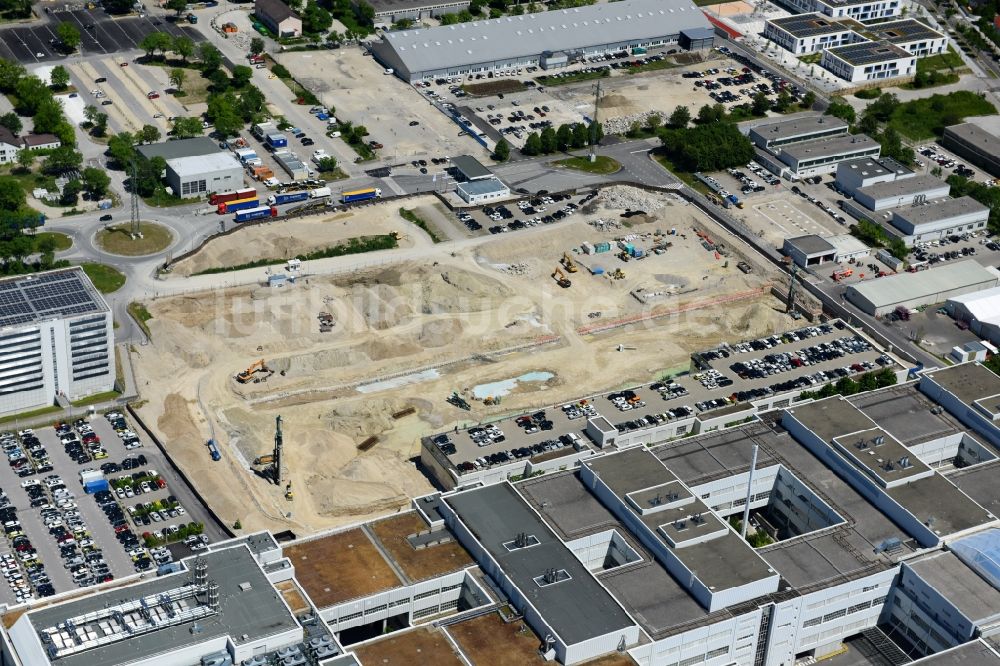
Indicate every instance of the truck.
{"type": "Point", "coordinates": [245, 154]}
{"type": "Point", "coordinates": [192, 18]}
{"type": "Point", "coordinates": [222, 197]}
{"type": "Point", "coordinates": [287, 197]}
{"type": "Point", "coordinates": [213, 450]}
{"type": "Point", "coordinates": [256, 213]}
{"type": "Point", "coordinates": [261, 129]}
{"type": "Point", "coordinates": [359, 195]}
{"type": "Point", "coordinates": [276, 140]}
{"type": "Point", "coordinates": [238, 204]}
{"type": "Point", "coordinates": [320, 192]}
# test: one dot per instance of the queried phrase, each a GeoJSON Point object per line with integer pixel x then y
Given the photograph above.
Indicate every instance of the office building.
{"type": "Point", "coordinates": [859, 10]}
{"type": "Point", "coordinates": [821, 156]}
{"type": "Point", "coordinates": [900, 192]}
{"type": "Point", "coordinates": [911, 35]}
{"type": "Point", "coordinates": [558, 36]}
{"type": "Point", "coordinates": [803, 34]}
{"type": "Point", "coordinates": [476, 183]}
{"type": "Point", "coordinates": [196, 167]}
{"type": "Point", "coordinates": [975, 144]}
{"type": "Point", "coordinates": [388, 12]}
{"type": "Point", "coordinates": [869, 61]}
{"type": "Point", "coordinates": [56, 340]}
{"type": "Point", "coordinates": [10, 145]}
{"type": "Point", "coordinates": [853, 175]}
{"type": "Point", "coordinates": [935, 220]}
{"type": "Point", "coordinates": [774, 134]}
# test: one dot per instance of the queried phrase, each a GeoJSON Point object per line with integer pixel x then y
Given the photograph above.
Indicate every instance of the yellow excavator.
{"type": "Point", "coordinates": [568, 262]}
{"type": "Point", "coordinates": [618, 274]}
{"type": "Point", "coordinates": [248, 374]}
{"type": "Point", "coordinates": [288, 492]}
{"type": "Point", "coordinates": [561, 278]}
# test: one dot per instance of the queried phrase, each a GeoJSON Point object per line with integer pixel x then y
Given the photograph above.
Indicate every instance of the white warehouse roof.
{"type": "Point", "coordinates": [559, 30]}
{"type": "Point", "coordinates": [913, 286]}
{"type": "Point", "coordinates": [197, 165]}
{"type": "Point", "coordinates": [983, 305]}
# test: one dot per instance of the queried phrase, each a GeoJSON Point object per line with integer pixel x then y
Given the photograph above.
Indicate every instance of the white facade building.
{"type": "Point", "coordinates": [869, 61]}
{"type": "Point", "coordinates": [939, 219]}
{"type": "Point", "coordinates": [56, 339]}
{"type": "Point", "coordinates": [10, 145]}
{"type": "Point", "coordinates": [807, 33]}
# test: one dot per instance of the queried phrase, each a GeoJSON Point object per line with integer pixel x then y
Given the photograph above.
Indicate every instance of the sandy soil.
{"type": "Point", "coordinates": [457, 314]}
{"type": "Point", "coordinates": [285, 239]}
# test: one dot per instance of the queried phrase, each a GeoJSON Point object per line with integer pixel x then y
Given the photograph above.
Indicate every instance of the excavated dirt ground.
{"type": "Point", "coordinates": [453, 316]}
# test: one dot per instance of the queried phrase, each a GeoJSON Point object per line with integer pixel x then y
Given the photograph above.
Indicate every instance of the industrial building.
{"type": "Point", "coordinates": [912, 290]}
{"type": "Point", "coordinates": [278, 17]}
{"type": "Point", "coordinates": [900, 192]}
{"type": "Point", "coordinates": [476, 183]}
{"type": "Point", "coordinates": [939, 219]}
{"type": "Point", "coordinates": [853, 175]}
{"type": "Point", "coordinates": [803, 34]}
{"type": "Point", "coordinates": [773, 135]}
{"type": "Point", "coordinates": [911, 35]}
{"type": "Point", "coordinates": [821, 156]}
{"type": "Point", "coordinates": [388, 12]}
{"type": "Point", "coordinates": [511, 42]}
{"type": "Point", "coordinates": [809, 146]}
{"type": "Point", "coordinates": [869, 61]}
{"type": "Point", "coordinates": [980, 310]}
{"type": "Point", "coordinates": [196, 167]}
{"type": "Point", "coordinates": [56, 340]}
{"type": "Point", "coordinates": [975, 144]}
{"type": "Point", "coordinates": [848, 248]}
{"type": "Point", "coordinates": [809, 250]}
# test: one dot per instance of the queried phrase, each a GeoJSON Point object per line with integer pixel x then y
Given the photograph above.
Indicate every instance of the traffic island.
{"type": "Point", "coordinates": [120, 240]}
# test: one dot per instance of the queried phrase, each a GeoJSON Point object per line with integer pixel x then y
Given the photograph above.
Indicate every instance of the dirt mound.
{"type": "Point", "coordinates": [614, 101]}
{"type": "Point", "coordinates": [439, 333]}
{"type": "Point", "coordinates": [362, 418]}
{"type": "Point", "coordinates": [176, 421]}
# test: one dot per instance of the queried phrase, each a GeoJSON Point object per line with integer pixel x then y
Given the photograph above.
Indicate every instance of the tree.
{"type": "Point", "coordinates": [71, 193]}
{"type": "Point", "coordinates": [12, 197]}
{"type": "Point", "coordinates": [219, 80]}
{"type": "Point", "coordinates": [839, 108]}
{"type": "Point", "coordinates": [252, 102]}
{"type": "Point", "coordinates": [100, 125]}
{"type": "Point", "coordinates": [315, 19]}
{"type": "Point", "coordinates": [501, 152]}
{"type": "Point", "coordinates": [96, 182]}
{"type": "Point", "coordinates": [185, 128]}
{"type": "Point", "coordinates": [580, 135]}
{"type": "Point", "coordinates": [327, 164]}
{"type": "Point", "coordinates": [10, 74]}
{"type": "Point", "coordinates": [634, 130]}
{"type": "Point", "coordinates": [241, 75]}
{"type": "Point", "coordinates": [281, 71]}
{"type": "Point", "coordinates": [868, 124]}
{"type": "Point", "coordinates": [708, 114]}
{"type": "Point", "coordinates": [808, 100]}
{"type": "Point", "coordinates": [90, 113]}
{"type": "Point", "coordinates": [532, 145]}
{"type": "Point", "coordinates": [548, 140]}
{"type": "Point", "coordinates": [257, 46]}
{"type": "Point", "coordinates": [680, 118]}
{"type": "Point", "coordinates": [177, 6]}
{"type": "Point", "coordinates": [25, 159]}
{"type": "Point", "coordinates": [761, 104]}
{"type": "Point", "coordinates": [177, 76]}
{"type": "Point", "coordinates": [883, 107]}
{"type": "Point", "coordinates": [709, 147]}
{"type": "Point", "coordinates": [117, 6]}
{"type": "Point", "coordinates": [156, 41]}
{"type": "Point", "coordinates": [223, 113]}
{"type": "Point", "coordinates": [184, 47]}
{"type": "Point", "coordinates": [653, 122]}
{"type": "Point", "coordinates": [211, 58]}
{"type": "Point", "coordinates": [69, 36]}
{"type": "Point", "coordinates": [121, 149]}
{"type": "Point", "coordinates": [564, 137]}
{"type": "Point", "coordinates": [783, 102]}
{"type": "Point", "coordinates": [59, 78]}
{"type": "Point", "coordinates": [11, 121]}
{"type": "Point", "coordinates": [365, 12]}
{"type": "Point", "coordinates": [149, 134]}
{"type": "Point", "coordinates": [62, 159]}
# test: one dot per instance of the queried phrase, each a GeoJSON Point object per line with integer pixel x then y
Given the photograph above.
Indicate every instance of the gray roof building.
{"type": "Point", "coordinates": [66, 292]}
{"type": "Point", "coordinates": [169, 150]}
{"type": "Point", "coordinates": [913, 219]}
{"type": "Point", "coordinates": [903, 31]}
{"type": "Point", "coordinates": [809, 25]}
{"type": "Point", "coordinates": [413, 53]}
{"type": "Point", "coordinates": [773, 134]}
{"type": "Point", "coordinates": [861, 54]}
{"type": "Point", "coordinates": [901, 192]}
{"type": "Point", "coordinates": [470, 167]}
{"type": "Point", "coordinates": [911, 290]}
{"type": "Point", "coordinates": [975, 144]}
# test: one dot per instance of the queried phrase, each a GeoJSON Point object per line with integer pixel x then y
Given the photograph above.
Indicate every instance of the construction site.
{"type": "Point", "coordinates": [361, 364]}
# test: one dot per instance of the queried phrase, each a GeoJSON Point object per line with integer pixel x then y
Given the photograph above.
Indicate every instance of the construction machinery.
{"type": "Point", "coordinates": [561, 278]}
{"type": "Point", "coordinates": [568, 263]}
{"type": "Point", "coordinates": [840, 275]}
{"type": "Point", "coordinates": [263, 460]}
{"type": "Point", "coordinates": [258, 372]}
{"type": "Point", "coordinates": [269, 466]}
{"type": "Point", "coordinates": [288, 492]}
{"type": "Point", "coordinates": [618, 274]}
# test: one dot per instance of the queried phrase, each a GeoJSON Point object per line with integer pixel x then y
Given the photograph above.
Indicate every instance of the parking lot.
{"type": "Point", "coordinates": [729, 375]}
{"type": "Point", "coordinates": [105, 35]}
{"type": "Point", "coordinates": [59, 537]}
{"type": "Point", "coordinates": [523, 213]}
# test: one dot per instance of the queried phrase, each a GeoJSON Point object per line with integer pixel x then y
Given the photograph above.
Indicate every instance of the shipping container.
{"type": "Point", "coordinates": [288, 197]}
{"type": "Point", "coordinates": [97, 486]}
{"type": "Point", "coordinates": [602, 247]}
{"type": "Point", "coordinates": [587, 248]}
{"type": "Point", "coordinates": [320, 192]}
{"type": "Point", "coordinates": [233, 195]}
{"type": "Point", "coordinates": [238, 204]}
{"type": "Point", "coordinates": [257, 213]}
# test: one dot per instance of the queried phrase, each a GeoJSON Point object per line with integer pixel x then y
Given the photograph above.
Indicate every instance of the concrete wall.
{"type": "Point", "coordinates": [731, 641]}
{"type": "Point", "coordinates": [430, 595]}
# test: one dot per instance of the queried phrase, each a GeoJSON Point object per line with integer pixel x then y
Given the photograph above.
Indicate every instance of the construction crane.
{"type": "Point", "coordinates": [568, 262]}
{"type": "Point", "coordinates": [276, 454]}
{"type": "Point", "coordinates": [248, 374]}
{"type": "Point", "coordinates": [561, 279]}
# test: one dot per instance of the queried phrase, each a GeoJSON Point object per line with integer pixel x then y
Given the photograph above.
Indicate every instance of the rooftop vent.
{"type": "Point", "coordinates": [551, 577]}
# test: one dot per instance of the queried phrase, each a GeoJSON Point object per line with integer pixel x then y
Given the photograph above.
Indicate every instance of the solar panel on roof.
{"type": "Point", "coordinates": [29, 298]}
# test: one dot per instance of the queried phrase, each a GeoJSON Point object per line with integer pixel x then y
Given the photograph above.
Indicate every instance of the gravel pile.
{"type": "Point", "coordinates": [624, 197]}
{"type": "Point", "coordinates": [623, 124]}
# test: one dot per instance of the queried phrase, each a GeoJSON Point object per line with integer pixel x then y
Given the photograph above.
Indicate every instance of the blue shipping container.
{"type": "Point", "coordinates": [97, 486]}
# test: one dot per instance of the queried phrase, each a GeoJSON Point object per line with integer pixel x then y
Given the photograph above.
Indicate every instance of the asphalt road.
{"type": "Point", "coordinates": [32, 44]}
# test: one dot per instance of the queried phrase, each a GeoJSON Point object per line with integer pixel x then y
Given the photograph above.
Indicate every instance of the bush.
{"type": "Point", "coordinates": [707, 147]}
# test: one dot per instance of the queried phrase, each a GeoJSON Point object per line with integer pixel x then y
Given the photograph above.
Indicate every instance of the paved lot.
{"type": "Point", "coordinates": [33, 44]}
{"type": "Point", "coordinates": [96, 522]}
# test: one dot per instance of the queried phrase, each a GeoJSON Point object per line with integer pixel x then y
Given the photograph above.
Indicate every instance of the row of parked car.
{"type": "Point", "coordinates": [712, 379]}
{"type": "Point", "coordinates": [23, 571]}
{"type": "Point", "coordinates": [771, 341]}
{"type": "Point", "coordinates": [520, 453]}
{"type": "Point", "coordinates": [651, 420]}
{"type": "Point", "coordinates": [141, 560]}
{"type": "Point", "coordinates": [776, 363]}
{"type": "Point", "coordinates": [80, 442]}
{"type": "Point", "coordinates": [25, 453]}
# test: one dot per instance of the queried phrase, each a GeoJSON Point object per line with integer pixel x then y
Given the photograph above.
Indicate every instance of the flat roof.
{"type": "Point", "coordinates": [985, 141]}
{"type": "Point", "coordinates": [974, 653]}
{"type": "Point", "coordinates": [470, 167]}
{"type": "Point", "coordinates": [487, 186]}
{"type": "Point", "coordinates": [903, 31]}
{"type": "Point", "coordinates": [170, 150]}
{"type": "Point", "coordinates": [834, 145]}
{"type": "Point", "coordinates": [867, 166]}
{"type": "Point", "coordinates": [65, 292]}
{"type": "Point", "coordinates": [248, 604]}
{"type": "Point", "coordinates": [906, 413]}
{"type": "Point", "coordinates": [489, 40]}
{"type": "Point", "coordinates": [914, 286]}
{"type": "Point", "coordinates": [904, 187]}
{"type": "Point", "coordinates": [188, 166]}
{"type": "Point", "coordinates": [972, 595]}
{"type": "Point", "coordinates": [969, 382]}
{"type": "Point", "coordinates": [810, 244]}
{"type": "Point", "coordinates": [434, 559]}
{"type": "Point", "coordinates": [392, 6]}
{"type": "Point", "coordinates": [847, 244]}
{"type": "Point", "coordinates": [983, 305]}
{"type": "Point", "coordinates": [936, 502]}
{"type": "Point", "coordinates": [809, 25]}
{"type": "Point", "coordinates": [937, 211]}
{"type": "Point", "coordinates": [787, 129]}
{"type": "Point", "coordinates": [577, 608]}
{"type": "Point", "coordinates": [869, 53]}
